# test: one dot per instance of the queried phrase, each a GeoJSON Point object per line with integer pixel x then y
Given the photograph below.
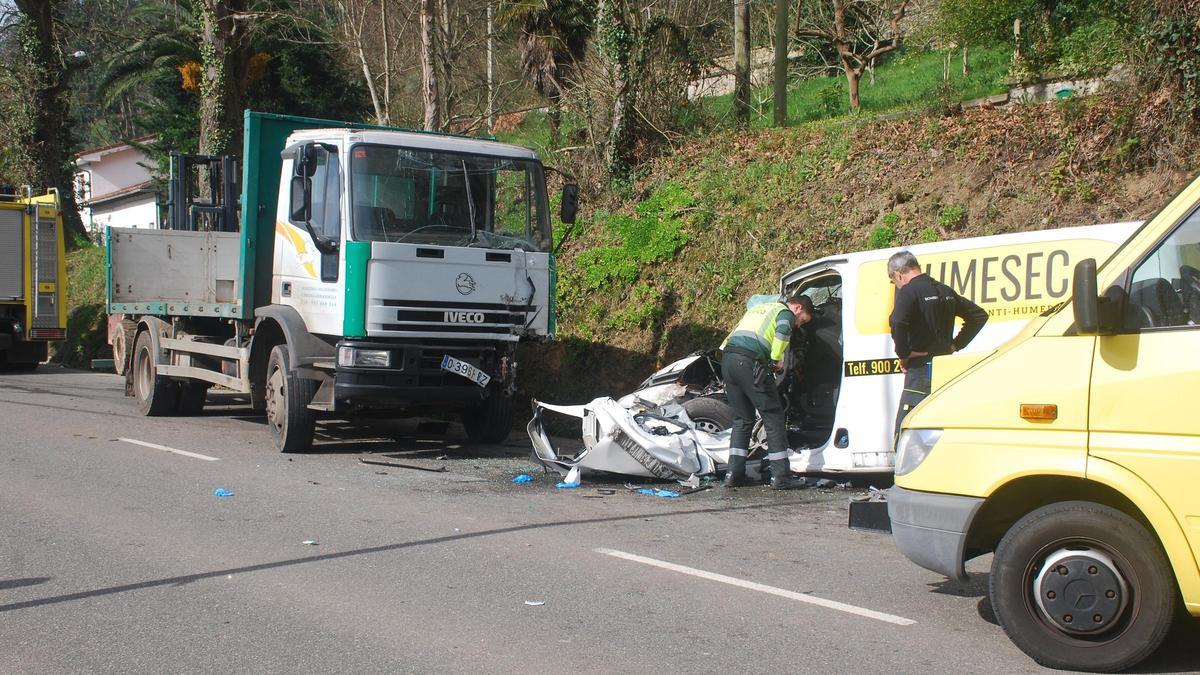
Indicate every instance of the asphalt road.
{"type": "Point", "coordinates": [116, 556]}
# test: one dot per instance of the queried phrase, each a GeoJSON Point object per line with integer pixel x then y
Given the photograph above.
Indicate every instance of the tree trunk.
{"type": "Point", "coordinates": [224, 56]}
{"type": "Point", "coordinates": [781, 61]}
{"type": "Point", "coordinates": [853, 75]}
{"type": "Point", "coordinates": [616, 44]}
{"type": "Point", "coordinates": [49, 109]}
{"type": "Point", "coordinates": [966, 65]}
{"type": "Point", "coordinates": [554, 118]}
{"type": "Point", "coordinates": [429, 79]}
{"type": "Point", "coordinates": [741, 63]}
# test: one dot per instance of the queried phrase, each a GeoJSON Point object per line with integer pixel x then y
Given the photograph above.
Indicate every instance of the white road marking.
{"type": "Point", "coordinates": [762, 588]}
{"type": "Point", "coordinates": [156, 446]}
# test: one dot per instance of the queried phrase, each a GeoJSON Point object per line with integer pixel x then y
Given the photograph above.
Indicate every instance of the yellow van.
{"type": "Point", "coordinates": [1072, 452]}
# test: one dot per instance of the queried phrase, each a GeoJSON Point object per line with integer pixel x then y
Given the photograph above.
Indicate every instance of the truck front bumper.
{"type": "Point", "coordinates": [415, 380]}
{"type": "Point", "coordinates": [931, 529]}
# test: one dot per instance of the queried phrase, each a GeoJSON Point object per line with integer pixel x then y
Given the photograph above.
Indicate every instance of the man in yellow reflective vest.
{"type": "Point", "coordinates": [753, 354]}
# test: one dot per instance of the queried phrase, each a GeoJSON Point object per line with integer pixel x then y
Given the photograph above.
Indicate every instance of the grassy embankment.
{"type": "Point", "coordinates": [663, 267]}
{"type": "Point", "coordinates": [86, 328]}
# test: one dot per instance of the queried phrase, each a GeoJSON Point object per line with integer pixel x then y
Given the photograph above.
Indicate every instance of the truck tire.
{"type": "Point", "coordinates": [292, 423]}
{"type": "Point", "coordinates": [710, 415]}
{"type": "Point", "coordinates": [122, 345]}
{"type": "Point", "coordinates": [1081, 586]}
{"type": "Point", "coordinates": [156, 394]}
{"type": "Point", "coordinates": [491, 421]}
{"type": "Point", "coordinates": [192, 395]}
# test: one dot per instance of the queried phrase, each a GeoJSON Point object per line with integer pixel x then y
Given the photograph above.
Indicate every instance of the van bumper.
{"type": "Point", "coordinates": [931, 529]}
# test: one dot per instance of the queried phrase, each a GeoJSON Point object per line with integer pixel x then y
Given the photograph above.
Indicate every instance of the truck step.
{"type": "Point", "coordinates": [323, 400]}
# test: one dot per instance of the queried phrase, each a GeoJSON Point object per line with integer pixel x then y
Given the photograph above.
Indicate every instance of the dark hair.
{"type": "Point", "coordinates": [802, 300]}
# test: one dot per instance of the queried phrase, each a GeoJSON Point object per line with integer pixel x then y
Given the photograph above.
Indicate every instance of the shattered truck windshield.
{"type": "Point", "coordinates": [449, 199]}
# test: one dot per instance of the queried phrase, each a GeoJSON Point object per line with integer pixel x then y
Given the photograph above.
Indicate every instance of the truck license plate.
{"type": "Point", "coordinates": [465, 369]}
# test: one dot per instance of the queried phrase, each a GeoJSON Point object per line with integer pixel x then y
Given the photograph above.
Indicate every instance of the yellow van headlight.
{"type": "Point", "coordinates": [913, 447]}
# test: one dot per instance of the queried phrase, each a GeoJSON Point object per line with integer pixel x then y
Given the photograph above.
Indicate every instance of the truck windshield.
{"type": "Point", "coordinates": [448, 199]}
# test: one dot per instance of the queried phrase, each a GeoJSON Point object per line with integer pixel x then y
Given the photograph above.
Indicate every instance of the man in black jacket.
{"type": "Point", "coordinates": [923, 325]}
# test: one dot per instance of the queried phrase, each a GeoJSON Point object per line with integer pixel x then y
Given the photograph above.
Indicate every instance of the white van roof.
{"type": "Point", "coordinates": [1109, 231]}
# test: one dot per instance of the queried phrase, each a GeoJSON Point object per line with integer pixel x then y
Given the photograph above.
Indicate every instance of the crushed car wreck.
{"type": "Point", "coordinates": [676, 425]}
{"type": "Point", "coordinates": [649, 433]}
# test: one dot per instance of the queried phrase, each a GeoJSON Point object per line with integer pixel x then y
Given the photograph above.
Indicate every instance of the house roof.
{"type": "Point", "coordinates": [147, 187]}
{"type": "Point", "coordinates": [94, 154]}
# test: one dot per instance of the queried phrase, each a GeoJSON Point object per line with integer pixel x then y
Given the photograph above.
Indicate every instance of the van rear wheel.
{"type": "Point", "coordinates": [1081, 586]}
{"type": "Point", "coordinates": [292, 423]}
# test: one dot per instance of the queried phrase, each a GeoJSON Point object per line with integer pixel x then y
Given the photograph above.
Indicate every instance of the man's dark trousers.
{"type": "Point", "coordinates": [750, 386]}
{"type": "Point", "coordinates": [916, 387]}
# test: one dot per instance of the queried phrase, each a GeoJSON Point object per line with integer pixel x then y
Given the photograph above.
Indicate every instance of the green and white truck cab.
{"type": "Point", "coordinates": [370, 270]}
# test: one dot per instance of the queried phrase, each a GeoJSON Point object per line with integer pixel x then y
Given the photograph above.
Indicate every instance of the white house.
{"type": "Point", "coordinates": [115, 188]}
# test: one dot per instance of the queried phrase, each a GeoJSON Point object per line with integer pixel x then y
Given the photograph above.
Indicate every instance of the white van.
{"type": "Point", "coordinates": [843, 408]}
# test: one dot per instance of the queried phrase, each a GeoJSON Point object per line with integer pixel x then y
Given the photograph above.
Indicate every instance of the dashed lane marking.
{"type": "Point", "coordinates": [156, 446]}
{"type": "Point", "coordinates": [761, 588]}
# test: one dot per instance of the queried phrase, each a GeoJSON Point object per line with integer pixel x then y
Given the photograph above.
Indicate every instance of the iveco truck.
{"type": "Point", "coordinates": [33, 307]}
{"type": "Point", "coordinates": [342, 270]}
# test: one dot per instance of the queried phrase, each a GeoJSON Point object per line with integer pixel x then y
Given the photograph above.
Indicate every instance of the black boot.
{"type": "Point", "coordinates": [735, 473]}
{"type": "Point", "coordinates": [781, 476]}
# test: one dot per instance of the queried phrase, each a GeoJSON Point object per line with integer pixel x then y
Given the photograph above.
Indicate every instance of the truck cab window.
{"type": "Point", "coordinates": [404, 195]}
{"type": "Point", "coordinates": [326, 196]}
{"type": "Point", "coordinates": [1164, 291]}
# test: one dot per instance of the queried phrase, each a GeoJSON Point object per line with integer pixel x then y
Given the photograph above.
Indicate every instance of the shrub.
{"type": "Point", "coordinates": [883, 236]}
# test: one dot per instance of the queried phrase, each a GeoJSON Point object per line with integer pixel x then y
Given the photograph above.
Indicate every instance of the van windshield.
{"type": "Point", "coordinates": [448, 199]}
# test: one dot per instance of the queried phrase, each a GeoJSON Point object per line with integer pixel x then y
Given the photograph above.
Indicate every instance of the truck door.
{"type": "Point", "coordinates": [307, 244]}
{"type": "Point", "coordinates": [1146, 379]}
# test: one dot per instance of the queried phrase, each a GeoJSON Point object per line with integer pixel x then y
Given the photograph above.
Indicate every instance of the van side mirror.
{"type": "Point", "coordinates": [570, 203]}
{"type": "Point", "coordinates": [1084, 300]}
{"type": "Point", "coordinates": [301, 199]}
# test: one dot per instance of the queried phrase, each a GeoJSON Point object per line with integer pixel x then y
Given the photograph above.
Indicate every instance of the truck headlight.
{"type": "Point", "coordinates": [349, 357]}
{"type": "Point", "coordinates": [913, 447]}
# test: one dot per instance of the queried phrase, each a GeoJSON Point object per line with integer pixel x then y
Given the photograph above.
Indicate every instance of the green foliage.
{"type": "Point", "coordinates": [87, 275]}
{"type": "Point", "coordinates": [642, 308]}
{"type": "Point", "coordinates": [928, 235]}
{"type": "Point", "coordinates": [1093, 49]}
{"type": "Point", "coordinates": [883, 236]}
{"type": "Point", "coordinates": [952, 216]}
{"type": "Point", "coordinates": [1175, 44]}
{"type": "Point", "coordinates": [908, 81]}
{"type": "Point", "coordinates": [655, 233]}
{"type": "Point", "coordinates": [891, 219]}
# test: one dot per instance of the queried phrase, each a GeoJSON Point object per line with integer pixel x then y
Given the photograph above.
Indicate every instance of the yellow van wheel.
{"type": "Point", "coordinates": [1081, 586]}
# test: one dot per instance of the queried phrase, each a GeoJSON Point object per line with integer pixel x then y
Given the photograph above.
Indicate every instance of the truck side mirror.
{"type": "Point", "coordinates": [301, 199]}
{"type": "Point", "coordinates": [1084, 300]}
{"type": "Point", "coordinates": [570, 203]}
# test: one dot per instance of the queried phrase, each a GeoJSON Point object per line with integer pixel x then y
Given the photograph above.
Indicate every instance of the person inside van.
{"type": "Point", "coordinates": [922, 323]}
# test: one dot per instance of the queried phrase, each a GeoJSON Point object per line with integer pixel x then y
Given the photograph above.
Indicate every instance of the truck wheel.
{"type": "Point", "coordinates": [156, 394]}
{"type": "Point", "coordinates": [710, 415]}
{"type": "Point", "coordinates": [122, 343]}
{"type": "Point", "coordinates": [1081, 586]}
{"type": "Point", "coordinates": [192, 395]}
{"type": "Point", "coordinates": [491, 421]}
{"type": "Point", "coordinates": [292, 423]}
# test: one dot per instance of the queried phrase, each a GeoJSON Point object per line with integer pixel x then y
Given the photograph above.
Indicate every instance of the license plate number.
{"type": "Point", "coordinates": [453, 365]}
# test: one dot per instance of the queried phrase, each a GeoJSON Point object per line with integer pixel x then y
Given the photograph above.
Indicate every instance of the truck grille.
{"type": "Point", "coordinates": [465, 318]}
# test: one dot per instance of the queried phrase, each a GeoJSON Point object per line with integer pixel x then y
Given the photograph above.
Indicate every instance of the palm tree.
{"type": "Point", "coordinates": [553, 40]}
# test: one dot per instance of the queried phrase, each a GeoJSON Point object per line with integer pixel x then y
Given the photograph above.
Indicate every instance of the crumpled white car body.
{"type": "Point", "coordinates": [646, 433]}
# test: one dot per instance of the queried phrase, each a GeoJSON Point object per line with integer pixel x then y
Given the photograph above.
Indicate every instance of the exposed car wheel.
{"type": "Point", "coordinates": [156, 394]}
{"type": "Point", "coordinates": [710, 415]}
{"type": "Point", "coordinates": [292, 423]}
{"type": "Point", "coordinates": [192, 396]}
{"type": "Point", "coordinates": [1081, 586]}
{"type": "Point", "coordinates": [491, 421]}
